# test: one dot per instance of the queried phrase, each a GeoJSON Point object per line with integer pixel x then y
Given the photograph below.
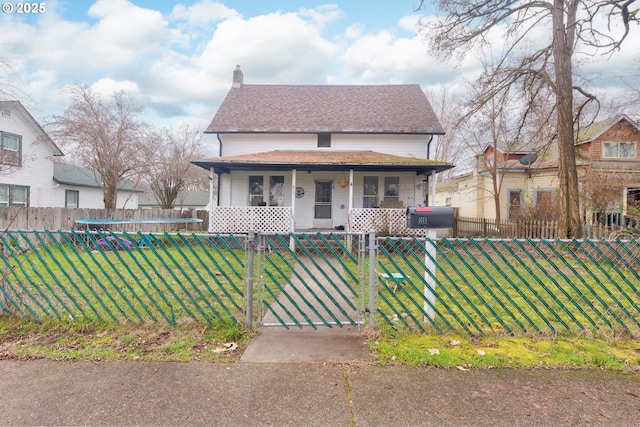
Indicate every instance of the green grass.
{"type": "Point", "coordinates": [499, 287]}
{"type": "Point", "coordinates": [61, 340]}
{"type": "Point", "coordinates": [463, 352]}
{"type": "Point", "coordinates": [180, 278]}
{"type": "Point", "coordinates": [73, 341]}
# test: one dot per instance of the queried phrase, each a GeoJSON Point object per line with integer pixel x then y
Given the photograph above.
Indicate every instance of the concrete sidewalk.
{"type": "Point", "coordinates": [305, 394]}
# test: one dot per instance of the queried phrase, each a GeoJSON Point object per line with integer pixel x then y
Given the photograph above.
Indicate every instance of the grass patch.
{"type": "Point", "coordinates": [464, 352]}
{"type": "Point", "coordinates": [60, 340]}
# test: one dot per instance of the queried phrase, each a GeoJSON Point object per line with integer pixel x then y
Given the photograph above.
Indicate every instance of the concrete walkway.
{"type": "Point", "coordinates": [309, 394]}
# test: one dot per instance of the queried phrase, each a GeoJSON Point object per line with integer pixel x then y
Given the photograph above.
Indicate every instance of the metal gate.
{"type": "Point", "coordinates": [311, 279]}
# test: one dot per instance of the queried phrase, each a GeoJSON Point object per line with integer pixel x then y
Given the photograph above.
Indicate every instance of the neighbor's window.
{"type": "Point", "coordinates": [391, 188]}
{"type": "Point", "coordinates": [546, 205]}
{"type": "Point", "coordinates": [276, 191]}
{"type": "Point", "coordinates": [10, 149]}
{"type": "Point", "coordinates": [256, 190]}
{"type": "Point", "coordinates": [71, 198]}
{"type": "Point", "coordinates": [515, 204]}
{"type": "Point", "coordinates": [619, 150]}
{"type": "Point", "coordinates": [448, 201]}
{"type": "Point", "coordinates": [370, 198]}
{"type": "Point", "coordinates": [14, 195]}
{"type": "Point", "coordinates": [324, 140]}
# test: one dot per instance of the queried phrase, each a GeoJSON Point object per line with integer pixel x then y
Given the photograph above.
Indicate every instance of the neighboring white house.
{"type": "Point", "coordinates": [29, 177]}
{"type": "Point", "coordinates": [26, 158]}
{"type": "Point", "coordinates": [78, 187]}
{"type": "Point", "coordinates": [186, 200]}
{"type": "Point", "coordinates": [319, 157]}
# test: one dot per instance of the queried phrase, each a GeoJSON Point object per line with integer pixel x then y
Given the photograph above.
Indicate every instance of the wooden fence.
{"type": "Point", "coordinates": [21, 218]}
{"type": "Point", "coordinates": [532, 229]}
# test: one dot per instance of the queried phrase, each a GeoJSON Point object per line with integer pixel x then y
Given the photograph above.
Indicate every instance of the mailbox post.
{"type": "Point", "coordinates": [430, 218]}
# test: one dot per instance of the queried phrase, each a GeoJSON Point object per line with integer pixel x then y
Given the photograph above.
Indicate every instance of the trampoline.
{"type": "Point", "coordinates": [108, 222]}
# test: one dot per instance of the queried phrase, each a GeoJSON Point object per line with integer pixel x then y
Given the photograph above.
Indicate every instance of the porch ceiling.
{"type": "Point", "coordinates": [322, 160]}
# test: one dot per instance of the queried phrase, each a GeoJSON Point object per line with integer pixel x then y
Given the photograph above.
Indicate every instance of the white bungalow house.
{"type": "Point", "coordinates": [78, 187]}
{"type": "Point", "coordinates": [298, 157]}
{"type": "Point", "coordinates": [30, 178]}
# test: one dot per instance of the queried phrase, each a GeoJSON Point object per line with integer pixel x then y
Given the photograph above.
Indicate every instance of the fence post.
{"type": "Point", "coordinates": [430, 274]}
{"type": "Point", "coordinates": [250, 257]}
{"type": "Point", "coordinates": [5, 272]}
{"type": "Point", "coordinates": [372, 275]}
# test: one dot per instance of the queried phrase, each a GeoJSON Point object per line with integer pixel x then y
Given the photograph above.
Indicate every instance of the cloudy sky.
{"type": "Point", "coordinates": [178, 57]}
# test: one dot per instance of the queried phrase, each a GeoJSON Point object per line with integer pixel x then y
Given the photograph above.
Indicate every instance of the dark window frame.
{"type": "Point", "coordinates": [8, 153]}
{"type": "Point", "coordinates": [66, 198]}
{"type": "Point", "coordinates": [10, 194]}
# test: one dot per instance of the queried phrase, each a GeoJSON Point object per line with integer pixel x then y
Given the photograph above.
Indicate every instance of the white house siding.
{"type": "Point", "coordinates": [411, 192]}
{"type": "Point", "coordinates": [36, 171]}
{"type": "Point", "coordinates": [399, 145]}
{"type": "Point", "coordinates": [92, 198]}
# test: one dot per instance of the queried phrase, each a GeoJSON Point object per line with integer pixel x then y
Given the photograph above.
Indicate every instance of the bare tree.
{"type": "Point", "coordinates": [107, 137]}
{"type": "Point", "coordinates": [602, 191]}
{"type": "Point", "coordinates": [596, 25]}
{"type": "Point", "coordinates": [449, 147]}
{"type": "Point", "coordinates": [170, 171]}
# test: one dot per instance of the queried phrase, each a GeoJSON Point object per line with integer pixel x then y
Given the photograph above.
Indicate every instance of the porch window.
{"type": "Point", "coordinates": [256, 190]}
{"type": "Point", "coordinates": [10, 149]}
{"type": "Point", "coordinates": [391, 188]}
{"type": "Point", "coordinates": [370, 198]}
{"type": "Point", "coordinates": [515, 204]}
{"type": "Point", "coordinates": [619, 150]}
{"type": "Point", "coordinates": [276, 190]}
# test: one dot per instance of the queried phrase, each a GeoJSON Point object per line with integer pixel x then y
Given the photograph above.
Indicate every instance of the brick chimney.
{"type": "Point", "coordinates": [237, 77]}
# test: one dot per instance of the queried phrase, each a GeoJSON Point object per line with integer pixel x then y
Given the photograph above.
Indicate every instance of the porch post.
{"type": "Point", "coordinates": [350, 191]}
{"type": "Point", "coordinates": [293, 199]}
{"type": "Point", "coordinates": [433, 188]}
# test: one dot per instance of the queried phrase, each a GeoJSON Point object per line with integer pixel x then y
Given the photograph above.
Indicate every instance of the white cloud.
{"type": "Point", "coordinates": [106, 87]}
{"type": "Point", "coordinates": [180, 64]}
{"type": "Point", "coordinates": [202, 13]}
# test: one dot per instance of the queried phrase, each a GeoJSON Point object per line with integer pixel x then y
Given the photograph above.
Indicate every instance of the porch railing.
{"type": "Point", "coordinates": [241, 219]}
{"type": "Point", "coordinates": [385, 222]}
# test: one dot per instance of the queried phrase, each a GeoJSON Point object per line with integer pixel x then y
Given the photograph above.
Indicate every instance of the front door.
{"type": "Point", "coordinates": [322, 208]}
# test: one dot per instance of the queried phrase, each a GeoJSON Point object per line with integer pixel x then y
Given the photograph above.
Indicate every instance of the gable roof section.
{"type": "Point", "coordinates": [84, 177]}
{"type": "Point", "coordinates": [385, 109]}
{"type": "Point", "coordinates": [322, 160]}
{"type": "Point", "coordinates": [8, 105]}
{"type": "Point", "coordinates": [596, 129]}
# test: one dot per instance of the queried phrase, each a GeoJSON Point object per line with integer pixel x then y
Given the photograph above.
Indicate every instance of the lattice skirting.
{"type": "Point", "coordinates": [241, 219]}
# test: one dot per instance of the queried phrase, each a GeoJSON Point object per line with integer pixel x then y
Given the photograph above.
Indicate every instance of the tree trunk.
{"type": "Point", "coordinates": [110, 194]}
{"type": "Point", "coordinates": [570, 224]}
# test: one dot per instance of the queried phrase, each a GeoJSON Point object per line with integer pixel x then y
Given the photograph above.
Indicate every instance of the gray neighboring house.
{"type": "Point", "coordinates": [191, 200]}
{"type": "Point", "coordinates": [79, 187]}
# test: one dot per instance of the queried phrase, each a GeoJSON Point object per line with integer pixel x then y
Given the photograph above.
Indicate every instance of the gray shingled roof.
{"type": "Point", "coordinates": [386, 109]}
{"type": "Point", "coordinates": [594, 130]}
{"type": "Point", "coordinates": [83, 177]}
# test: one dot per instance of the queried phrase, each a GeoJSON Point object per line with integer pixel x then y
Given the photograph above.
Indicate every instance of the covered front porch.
{"type": "Point", "coordinates": [284, 191]}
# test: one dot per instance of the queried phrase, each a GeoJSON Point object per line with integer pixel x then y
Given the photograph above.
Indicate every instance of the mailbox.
{"type": "Point", "coordinates": [430, 217]}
